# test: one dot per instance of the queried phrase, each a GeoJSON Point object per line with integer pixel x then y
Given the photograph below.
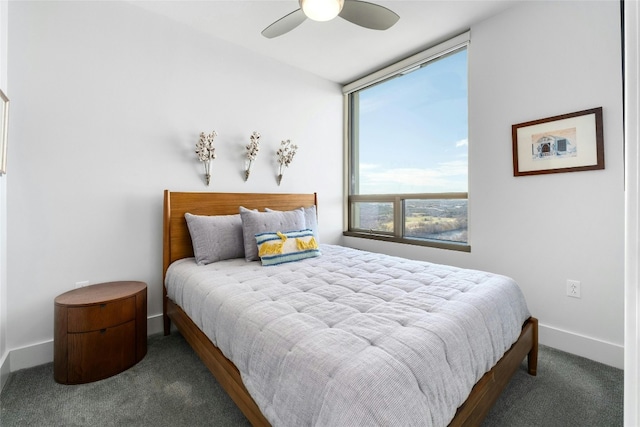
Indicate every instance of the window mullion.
{"type": "Point", "coordinates": [398, 217]}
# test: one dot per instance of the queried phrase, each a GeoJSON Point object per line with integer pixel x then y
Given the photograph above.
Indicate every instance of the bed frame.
{"type": "Point", "coordinates": [177, 245]}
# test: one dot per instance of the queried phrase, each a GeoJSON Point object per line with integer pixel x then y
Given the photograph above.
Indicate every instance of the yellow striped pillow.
{"type": "Point", "coordinates": [278, 247]}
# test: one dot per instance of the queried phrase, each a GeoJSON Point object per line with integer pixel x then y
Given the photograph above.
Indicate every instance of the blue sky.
{"type": "Point", "coordinates": [413, 130]}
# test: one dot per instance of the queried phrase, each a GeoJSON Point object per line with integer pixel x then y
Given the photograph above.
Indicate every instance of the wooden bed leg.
{"type": "Point", "coordinates": [532, 357]}
{"type": "Point", "coordinates": [165, 316]}
{"type": "Point", "coordinates": [167, 325]}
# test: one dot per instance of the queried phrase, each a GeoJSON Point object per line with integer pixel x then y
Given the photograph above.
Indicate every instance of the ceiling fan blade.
{"type": "Point", "coordinates": [368, 15]}
{"type": "Point", "coordinates": [284, 24]}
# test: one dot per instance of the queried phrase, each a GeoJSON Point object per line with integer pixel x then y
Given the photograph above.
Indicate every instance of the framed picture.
{"type": "Point", "coordinates": [567, 143]}
{"type": "Point", "coordinates": [4, 125]}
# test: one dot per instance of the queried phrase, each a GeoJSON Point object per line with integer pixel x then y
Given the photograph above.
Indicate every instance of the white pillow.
{"type": "Point", "coordinates": [310, 219]}
{"type": "Point", "coordinates": [254, 222]}
{"type": "Point", "coordinates": [215, 238]}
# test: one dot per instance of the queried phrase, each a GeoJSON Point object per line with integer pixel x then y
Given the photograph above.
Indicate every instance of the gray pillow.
{"type": "Point", "coordinates": [215, 238]}
{"type": "Point", "coordinates": [310, 219]}
{"type": "Point", "coordinates": [260, 222]}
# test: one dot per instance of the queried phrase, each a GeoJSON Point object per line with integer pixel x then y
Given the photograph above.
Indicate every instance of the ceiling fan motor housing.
{"type": "Point", "coordinates": [321, 10]}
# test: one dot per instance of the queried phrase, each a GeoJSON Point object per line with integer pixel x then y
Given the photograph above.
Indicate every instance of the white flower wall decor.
{"type": "Point", "coordinates": [285, 154]}
{"type": "Point", "coordinates": [206, 152]}
{"type": "Point", "coordinates": [252, 152]}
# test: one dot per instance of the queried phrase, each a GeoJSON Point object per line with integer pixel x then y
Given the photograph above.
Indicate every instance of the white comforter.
{"type": "Point", "coordinates": [351, 337]}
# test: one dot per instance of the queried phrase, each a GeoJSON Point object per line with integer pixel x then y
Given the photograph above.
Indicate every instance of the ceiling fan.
{"type": "Point", "coordinates": [358, 12]}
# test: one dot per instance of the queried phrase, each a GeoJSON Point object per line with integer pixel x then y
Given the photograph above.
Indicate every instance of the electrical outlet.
{"type": "Point", "coordinates": [82, 284]}
{"type": "Point", "coordinates": [573, 288]}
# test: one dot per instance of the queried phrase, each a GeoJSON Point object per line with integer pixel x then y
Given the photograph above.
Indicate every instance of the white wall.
{"type": "Point", "coordinates": [632, 242]}
{"type": "Point", "coordinates": [4, 352]}
{"type": "Point", "coordinates": [107, 104]}
{"type": "Point", "coordinates": [538, 60]}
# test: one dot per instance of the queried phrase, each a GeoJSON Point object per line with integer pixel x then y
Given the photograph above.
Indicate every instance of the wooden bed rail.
{"type": "Point", "coordinates": [486, 391]}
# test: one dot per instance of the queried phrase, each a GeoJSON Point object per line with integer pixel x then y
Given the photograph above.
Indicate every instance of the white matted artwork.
{"type": "Point", "coordinates": [567, 143]}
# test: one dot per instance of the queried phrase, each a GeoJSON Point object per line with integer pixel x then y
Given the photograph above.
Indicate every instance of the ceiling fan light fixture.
{"type": "Point", "coordinates": [321, 10]}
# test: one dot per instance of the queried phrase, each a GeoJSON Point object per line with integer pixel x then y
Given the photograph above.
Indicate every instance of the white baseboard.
{"type": "Point", "coordinates": [41, 353]}
{"type": "Point", "coordinates": [30, 356]}
{"type": "Point", "coordinates": [4, 369]}
{"type": "Point", "coordinates": [155, 324]}
{"type": "Point", "coordinates": [591, 348]}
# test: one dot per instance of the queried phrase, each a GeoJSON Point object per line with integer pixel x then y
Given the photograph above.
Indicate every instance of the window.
{"type": "Point", "coordinates": [407, 133]}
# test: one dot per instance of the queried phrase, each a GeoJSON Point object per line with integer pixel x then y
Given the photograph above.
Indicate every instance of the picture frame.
{"type": "Point", "coordinates": [566, 143]}
{"type": "Point", "coordinates": [4, 126]}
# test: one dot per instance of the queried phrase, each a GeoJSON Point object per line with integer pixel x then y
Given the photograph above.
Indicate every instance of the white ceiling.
{"type": "Point", "coordinates": [336, 50]}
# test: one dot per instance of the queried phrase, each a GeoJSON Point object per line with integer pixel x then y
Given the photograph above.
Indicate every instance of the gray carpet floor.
{"type": "Point", "coordinates": [171, 387]}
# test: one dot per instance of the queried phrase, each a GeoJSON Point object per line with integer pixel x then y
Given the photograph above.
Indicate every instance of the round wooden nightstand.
{"type": "Point", "coordinates": [99, 331]}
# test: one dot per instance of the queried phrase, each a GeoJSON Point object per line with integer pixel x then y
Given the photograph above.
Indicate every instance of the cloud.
{"type": "Point", "coordinates": [446, 177]}
{"type": "Point", "coordinates": [368, 166]}
{"type": "Point", "coordinates": [454, 168]}
{"type": "Point", "coordinates": [462, 143]}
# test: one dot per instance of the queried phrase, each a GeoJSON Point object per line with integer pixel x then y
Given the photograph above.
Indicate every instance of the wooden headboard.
{"type": "Point", "coordinates": [176, 238]}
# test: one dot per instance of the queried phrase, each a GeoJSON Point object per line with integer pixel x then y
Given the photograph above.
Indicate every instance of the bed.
{"type": "Point", "coordinates": [260, 405]}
